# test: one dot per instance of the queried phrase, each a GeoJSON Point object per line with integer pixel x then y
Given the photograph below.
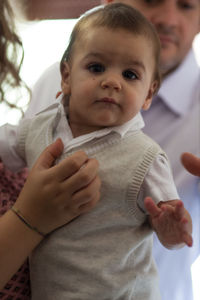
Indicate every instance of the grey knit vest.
{"type": "Point", "coordinates": [105, 254]}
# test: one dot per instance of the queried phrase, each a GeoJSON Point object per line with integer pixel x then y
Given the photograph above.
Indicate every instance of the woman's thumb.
{"type": "Point", "coordinates": [49, 155]}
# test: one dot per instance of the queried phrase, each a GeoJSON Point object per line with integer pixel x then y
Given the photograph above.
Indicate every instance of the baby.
{"type": "Point", "coordinates": [110, 71]}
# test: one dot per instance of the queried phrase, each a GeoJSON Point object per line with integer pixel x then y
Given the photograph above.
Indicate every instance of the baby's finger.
{"type": "Point", "coordinates": [188, 239]}
{"type": "Point", "coordinates": [179, 210]}
{"type": "Point", "coordinates": [151, 207]}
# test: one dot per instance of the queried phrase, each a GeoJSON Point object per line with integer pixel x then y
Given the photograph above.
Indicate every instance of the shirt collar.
{"type": "Point", "coordinates": [177, 89]}
{"type": "Point", "coordinates": [64, 132]}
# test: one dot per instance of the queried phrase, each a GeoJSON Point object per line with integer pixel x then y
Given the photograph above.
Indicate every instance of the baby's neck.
{"type": "Point", "coordinates": [78, 129]}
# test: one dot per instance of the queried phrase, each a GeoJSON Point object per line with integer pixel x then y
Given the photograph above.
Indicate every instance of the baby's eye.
{"type": "Point", "coordinates": [128, 74]}
{"type": "Point", "coordinates": [96, 68]}
{"type": "Point", "coordinates": [186, 5]}
{"type": "Point", "coordinates": [151, 2]}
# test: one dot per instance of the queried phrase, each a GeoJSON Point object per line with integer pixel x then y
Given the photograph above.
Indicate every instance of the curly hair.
{"type": "Point", "coordinates": [11, 55]}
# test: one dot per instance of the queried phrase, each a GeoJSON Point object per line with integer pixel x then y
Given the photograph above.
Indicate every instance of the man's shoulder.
{"type": "Point", "coordinates": [45, 90]}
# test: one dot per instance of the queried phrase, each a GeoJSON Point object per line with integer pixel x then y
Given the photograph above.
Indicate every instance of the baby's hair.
{"type": "Point", "coordinates": [115, 16]}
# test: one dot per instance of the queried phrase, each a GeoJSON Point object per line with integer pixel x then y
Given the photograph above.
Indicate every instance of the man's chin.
{"type": "Point", "coordinates": [168, 62]}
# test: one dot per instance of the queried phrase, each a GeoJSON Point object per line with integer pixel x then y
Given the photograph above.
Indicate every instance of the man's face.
{"type": "Point", "coordinates": [177, 22]}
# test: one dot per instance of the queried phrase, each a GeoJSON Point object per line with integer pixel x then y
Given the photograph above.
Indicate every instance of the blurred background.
{"type": "Point", "coordinates": [44, 27]}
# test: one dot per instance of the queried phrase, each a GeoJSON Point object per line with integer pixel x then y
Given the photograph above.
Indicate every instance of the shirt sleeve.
{"type": "Point", "coordinates": [45, 90]}
{"type": "Point", "coordinates": [8, 148]}
{"type": "Point", "coordinates": [158, 183]}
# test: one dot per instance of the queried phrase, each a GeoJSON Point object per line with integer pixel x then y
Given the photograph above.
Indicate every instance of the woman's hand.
{"type": "Point", "coordinates": [191, 163]}
{"type": "Point", "coordinates": [53, 195]}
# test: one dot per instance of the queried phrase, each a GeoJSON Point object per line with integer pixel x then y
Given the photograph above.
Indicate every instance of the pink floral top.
{"type": "Point", "coordinates": [18, 288]}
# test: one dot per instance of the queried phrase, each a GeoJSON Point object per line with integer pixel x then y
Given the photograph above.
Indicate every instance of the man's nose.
{"type": "Point", "coordinates": [166, 14]}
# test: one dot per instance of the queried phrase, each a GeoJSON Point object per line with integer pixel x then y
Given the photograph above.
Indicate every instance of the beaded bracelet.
{"type": "Point", "coordinates": [21, 217]}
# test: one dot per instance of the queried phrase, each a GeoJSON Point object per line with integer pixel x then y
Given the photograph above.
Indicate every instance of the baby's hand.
{"type": "Point", "coordinates": [171, 222]}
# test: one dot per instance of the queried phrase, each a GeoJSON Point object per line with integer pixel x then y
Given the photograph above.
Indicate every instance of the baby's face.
{"type": "Point", "coordinates": [109, 79]}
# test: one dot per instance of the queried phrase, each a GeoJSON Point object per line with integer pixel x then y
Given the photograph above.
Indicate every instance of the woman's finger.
{"type": "Point", "coordinates": [69, 166]}
{"type": "Point", "coordinates": [87, 194]}
{"type": "Point", "coordinates": [191, 163]}
{"type": "Point", "coordinates": [83, 177]}
{"type": "Point", "coordinates": [49, 155]}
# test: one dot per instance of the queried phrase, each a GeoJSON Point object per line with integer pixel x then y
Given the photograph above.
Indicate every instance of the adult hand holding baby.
{"type": "Point", "coordinates": [59, 192]}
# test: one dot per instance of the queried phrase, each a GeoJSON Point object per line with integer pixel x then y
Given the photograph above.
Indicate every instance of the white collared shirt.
{"type": "Point", "coordinates": [173, 121]}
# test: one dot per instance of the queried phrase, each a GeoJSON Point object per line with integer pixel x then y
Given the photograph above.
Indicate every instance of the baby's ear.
{"type": "Point", "coordinates": [151, 92]}
{"type": "Point", "coordinates": [65, 82]}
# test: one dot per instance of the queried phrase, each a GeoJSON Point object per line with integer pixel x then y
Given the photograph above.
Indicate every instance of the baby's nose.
{"type": "Point", "coordinates": [111, 82]}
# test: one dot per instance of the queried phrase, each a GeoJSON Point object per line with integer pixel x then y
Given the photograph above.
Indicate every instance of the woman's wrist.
{"type": "Point", "coordinates": [23, 219]}
{"type": "Point", "coordinates": [17, 229]}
